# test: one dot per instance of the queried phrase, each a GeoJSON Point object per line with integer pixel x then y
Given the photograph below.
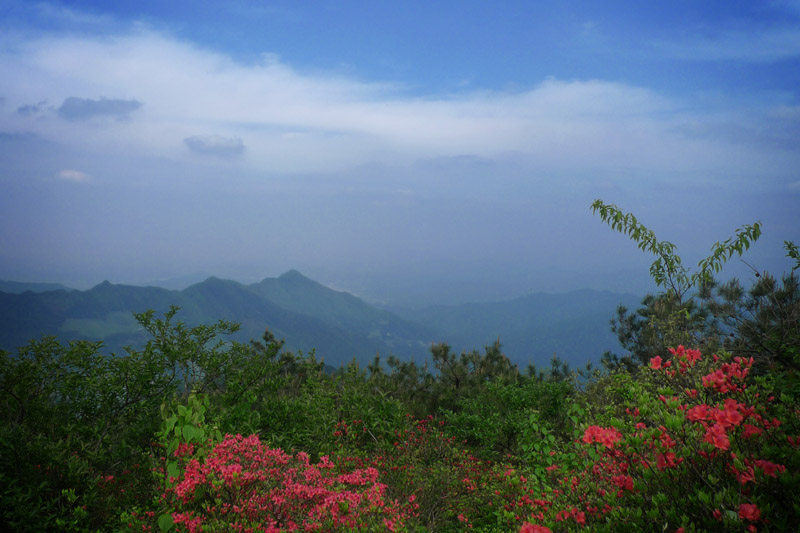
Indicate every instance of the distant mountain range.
{"type": "Point", "coordinates": [337, 325]}
{"type": "Point", "coordinates": [573, 325]}
{"type": "Point", "coordinates": [18, 287]}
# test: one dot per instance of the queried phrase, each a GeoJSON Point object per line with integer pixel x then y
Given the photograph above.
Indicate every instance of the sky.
{"type": "Point", "coordinates": [440, 151]}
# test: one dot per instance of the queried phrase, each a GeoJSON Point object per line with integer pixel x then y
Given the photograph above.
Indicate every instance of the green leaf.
{"type": "Point", "coordinates": [165, 522]}
{"type": "Point", "coordinates": [172, 446]}
{"type": "Point", "coordinates": [189, 432]}
{"type": "Point", "coordinates": [173, 471]}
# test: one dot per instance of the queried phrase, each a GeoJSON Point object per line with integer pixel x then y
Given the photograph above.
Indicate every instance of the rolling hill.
{"type": "Point", "coordinates": [338, 326]}
{"type": "Point", "coordinates": [310, 316]}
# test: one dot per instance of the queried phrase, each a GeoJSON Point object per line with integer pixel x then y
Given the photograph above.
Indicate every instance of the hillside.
{"type": "Point", "coordinates": [311, 316]}
{"type": "Point", "coordinates": [338, 326]}
{"type": "Point", "coordinates": [342, 310]}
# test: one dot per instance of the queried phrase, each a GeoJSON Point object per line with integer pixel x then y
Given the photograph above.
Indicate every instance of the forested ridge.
{"type": "Point", "coordinates": [308, 316]}
{"type": "Point", "coordinates": [692, 425]}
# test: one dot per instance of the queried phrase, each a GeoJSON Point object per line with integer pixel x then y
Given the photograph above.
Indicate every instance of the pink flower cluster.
{"type": "Point", "coordinates": [724, 379]}
{"type": "Point", "coordinates": [608, 437]}
{"type": "Point", "coordinates": [246, 485]}
{"type": "Point", "coordinates": [686, 359]}
{"type": "Point", "coordinates": [731, 426]}
{"type": "Point", "coordinates": [527, 527]}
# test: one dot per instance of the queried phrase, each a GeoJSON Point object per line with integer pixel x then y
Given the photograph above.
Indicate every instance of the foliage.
{"type": "Point", "coordinates": [76, 423]}
{"type": "Point", "coordinates": [498, 419]}
{"type": "Point", "coordinates": [70, 418]}
{"type": "Point", "coordinates": [792, 252]}
{"type": "Point", "coordinates": [687, 422]}
{"type": "Point", "coordinates": [691, 443]}
{"type": "Point", "coordinates": [760, 322]}
{"type": "Point", "coordinates": [460, 376]}
{"type": "Point", "coordinates": [668, 270]}
{"type": "Point", "coordinates": [662, 321]}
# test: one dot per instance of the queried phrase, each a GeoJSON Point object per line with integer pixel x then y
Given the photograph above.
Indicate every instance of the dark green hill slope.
{"type": "Point", "coordinates": [235, 302]}
{"type": "Point", "coordinates": [342, 310]}
{"type": "Point", "coordinates": [337, 325]}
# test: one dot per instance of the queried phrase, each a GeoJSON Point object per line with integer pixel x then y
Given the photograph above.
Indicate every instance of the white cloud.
{"type": "Point", "coordinates": [296, 122]}
{"type": "Point", "coordinates": [73, 175]}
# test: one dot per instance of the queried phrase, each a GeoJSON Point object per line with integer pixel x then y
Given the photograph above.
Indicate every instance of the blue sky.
{"type": "Point", "coordinates": [380, 146]}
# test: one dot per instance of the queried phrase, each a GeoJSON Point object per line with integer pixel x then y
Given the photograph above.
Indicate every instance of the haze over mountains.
{"type": "Point", "coordinates": [309, 316]}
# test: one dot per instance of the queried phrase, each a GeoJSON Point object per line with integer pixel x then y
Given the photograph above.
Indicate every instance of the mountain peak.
{"type": "Point", "coordinates": [294, 276]}
{"type": "Point", "coordinates": [214, 281]}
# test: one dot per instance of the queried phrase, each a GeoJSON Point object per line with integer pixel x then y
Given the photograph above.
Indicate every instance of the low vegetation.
{"type": "Point", "coordinates": [695, 427]}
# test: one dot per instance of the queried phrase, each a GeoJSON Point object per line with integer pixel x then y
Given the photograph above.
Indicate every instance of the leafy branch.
{"type": "Point", "coordinates": [792, 252]}
{"type": "Point", "coordinates": [667, 270]}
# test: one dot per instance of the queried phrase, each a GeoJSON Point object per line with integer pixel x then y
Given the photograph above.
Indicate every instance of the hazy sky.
{"type": "Point", "coordinates": [377, 144]}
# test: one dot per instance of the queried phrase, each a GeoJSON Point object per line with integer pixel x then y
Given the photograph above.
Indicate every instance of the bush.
{"type": "Point", "coordinates": [241, 484]}
{"type": "Point", "coordinates": [693, 443]}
